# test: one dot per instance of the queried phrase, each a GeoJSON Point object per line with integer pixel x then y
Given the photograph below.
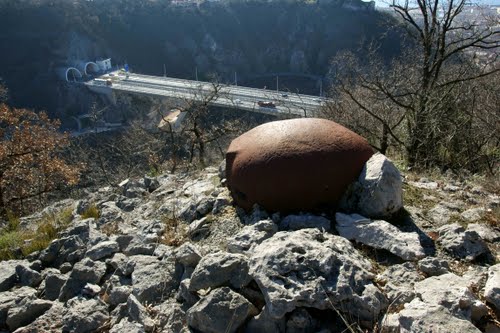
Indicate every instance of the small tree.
{"type": "Point", "coordinates": [421, 100]}
{"type": "Point", "coordinates": [30, 164]}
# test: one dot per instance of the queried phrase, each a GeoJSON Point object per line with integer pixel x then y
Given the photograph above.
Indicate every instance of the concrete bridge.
{"type": "Point", "coordinates": [251, 99]}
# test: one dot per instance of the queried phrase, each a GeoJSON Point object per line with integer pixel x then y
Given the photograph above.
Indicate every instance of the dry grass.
{"type": "Point", "coordinates": [17, 243]}
{"type": "Point", "coordinates": [176, 232]}
{"type": "Point", "coordinates": [91, 212]}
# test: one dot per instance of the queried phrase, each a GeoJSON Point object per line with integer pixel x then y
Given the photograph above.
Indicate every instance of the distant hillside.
{"type": "Point", "coordinates": [245, 37]}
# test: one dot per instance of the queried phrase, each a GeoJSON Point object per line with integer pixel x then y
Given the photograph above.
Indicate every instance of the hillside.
{"type": "Point", "coordinates": [250, 38]}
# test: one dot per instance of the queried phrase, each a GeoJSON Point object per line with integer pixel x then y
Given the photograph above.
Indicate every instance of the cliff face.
{"type": "Point", "coordinates": [249, 38]}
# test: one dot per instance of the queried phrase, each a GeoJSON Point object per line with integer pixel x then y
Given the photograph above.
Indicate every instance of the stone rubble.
{"type": "Point", "coordinates": [252, 272]}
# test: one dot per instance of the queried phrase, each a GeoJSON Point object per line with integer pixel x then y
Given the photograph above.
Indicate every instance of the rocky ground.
{"type": "Point", "coordinates": [171, 254]}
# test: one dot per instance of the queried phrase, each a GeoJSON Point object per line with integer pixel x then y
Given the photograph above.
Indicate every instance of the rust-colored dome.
{"type": "Point", "coordinates": [295, 164]}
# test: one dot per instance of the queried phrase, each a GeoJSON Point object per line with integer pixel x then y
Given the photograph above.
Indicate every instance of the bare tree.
{"type": "Point", "coordinates": [418, 100]}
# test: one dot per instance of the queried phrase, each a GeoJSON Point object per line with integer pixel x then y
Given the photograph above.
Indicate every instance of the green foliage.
{"type": "Point", "coordinates": [17, 243]}
{"type": "Point", "coordinates": [91, 212]}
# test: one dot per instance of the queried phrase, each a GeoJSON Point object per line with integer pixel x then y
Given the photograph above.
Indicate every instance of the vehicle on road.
{"type": "Point", "coordinates": [266, 104]}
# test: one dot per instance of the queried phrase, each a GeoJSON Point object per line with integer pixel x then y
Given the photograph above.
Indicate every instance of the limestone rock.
{"type": "Point", "coordinates": [251, 236]}
{"type": "Point", "coordinates": [219, 269]}
{"type": "Point", "coordinates": [50, 321]}
{"type": "Point", "coordinates": [223, 310]}
{"type": "Point", "coordinates": [128, 326]}
{"type": "Point", "coordinates": [26, 311]}
{"type": "Point", "coordinates": [102, 250]}
{"type": "Point", "coordinates": [8, 275]}
{"type": "Point", "coordinates": [485, 232]}
{"type": "Point", "coordinates": [263, 322]}
{"type": "Point", "coordinates": [294, 164]}
{"type": "Point", "coordinates": [492, 288]}
{"type": "Point", "coordinates": [152, 279]}
{"type": "Point", "coordinates": [453, 292]}
{"type": "Point", "coordinates": [420, 317]}
{"type": "Point", "coordinates": [84, 316]}
{"type": "Point", "coordinates": [433, 266]}
{"type": "Point", "coordinates": [53, 285]}
{"type": "Point", "coordinates": [27, 276]}
{"type": "Point", "coordinates": [380, 235]}
{"type": "Point", "coordinates": [171, 317]}
{"type": "Point", "coordinates": [309, 268]}
{"type": "Point", "coordinates": [296, 222]}
{"type": "Point", "coordinates": [398, 283]}
{"type": "Point", "coordinates": [137, 312]}
{"type": "Point", "coordinates": [188, 255]}
{"type": "Point", "coordinates": [85, 271]}
{"type": "Point", "coordinates": [9, 299]}
{"type": "Point", "coordinates": [461, 243]}
{"type": "Point", "coordinates": [377, 193]}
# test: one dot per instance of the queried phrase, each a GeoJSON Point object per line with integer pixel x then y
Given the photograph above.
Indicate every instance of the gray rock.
{"type": "Point", "coordinates": [171, 317]}
{"type": "Point", "coordinates": [300, 321]}
{"type": "Point", "coordinates": [50, 321]}
{"type": "Point", "coordinates": [123, 241]}
{"type": "Point", "coordinates": [420, 317]}
{"type": "Point", "coordinates": [492, 287]}
{"type": "Point", "coordinates": [440, 214]}
{"type": "Point", "coordinates": [53, 285]}
{"type": "Point", "coordinates": [433, 266]}
{"type": "Point", "coordinates": [26, 311]}
{"type": "Point", "coordinates": [151, 183]}
{"type": "Point", "coordinates": [185, 296]}
{"type": "Point", "coordinates": [137, 312]}
{"type": "Point", "coordinates": [380, 235]}
{"type": "Point", "coordinates": [188, 255]}
{"type": "Point", "coordinates": [85, 271]}
{"type": "Point", "coordinates": [485, 232]}
{"type": "Point", "coordinates": [251, 236]}
{"type": "Point", "coordinates": [127, 326]}
{"type": "Point", "coordinates": [309, 268]}
{"type": "Point", "coordinates": [153, 280]}
{"type": "Point", "coordinates": [461, 243]}
{"type": "Point", "coordinates": [222, 310]}
{"type": "Point", "coordinates": [452, 292]}
{"type": "Point", "coordinates": [128, 205]}
{"type": "Point", "coordinates": [424, 184]}
{"type": "Point", "coordinates": [102, 250]}
{"type": "Point", "coordinates": [199, 229]}
{"type": "Point", "coordinates": [264, 322]}
{"type": "Point", "coordinates": [8, 299]}
{"type": "Point", "coordinates": [84, 316]}
{"type": "Point", "coordinates": [91, 290]}
{"type": "Point", "coordinates": [27, 276]}
{"type": "Point", "coordinates": [398, 283]}
{"type": "Point", "coordinates": [223, 200]}
{"type": "Point", "coordinates": [135, 192]}
{"type": "Point", "coordinates": [220, 269]}
{"type": "Point", "coordinates": [8, 275]}
{"type": "Point", "coordinates": [36, 264]}
{"type": "Point", "coordinates": [378, 191]}
{"type": "Point", "coordinates": [119, 295]}
{"type": "Point", "coordinates": [473, 214]}
{"type": "Point", "coordinates": [137, 247]}
{"type": "Point", "coordinates": [65, 267]}
{"type": "Point", "coordinates": [66, 249]}
{"type": "Point", "coordinates": [121, 264]}
{"type": "Point", "coordinates": [296, 222]}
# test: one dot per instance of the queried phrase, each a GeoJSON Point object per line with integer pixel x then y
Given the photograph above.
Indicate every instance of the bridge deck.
{"type": "Point", "coordinates": [228, 96]}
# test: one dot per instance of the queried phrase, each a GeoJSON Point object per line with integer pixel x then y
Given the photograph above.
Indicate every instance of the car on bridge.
{"type": "Point", "coordinates": [266, 104]}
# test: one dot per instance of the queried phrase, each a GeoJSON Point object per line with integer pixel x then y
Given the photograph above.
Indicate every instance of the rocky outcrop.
{"type": "Point", "coordinates": [310, 268]}
{"type": "Point", "coordinates": [222, 310]}
{"type": "Point", "coordinates": [141, 270]}
{"type": "Point", "coordinates": [377, 192]}
{"type": "Point", "coordinates": [380, 235]}
{"type": "Point", "coordinates": [295, 164]}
